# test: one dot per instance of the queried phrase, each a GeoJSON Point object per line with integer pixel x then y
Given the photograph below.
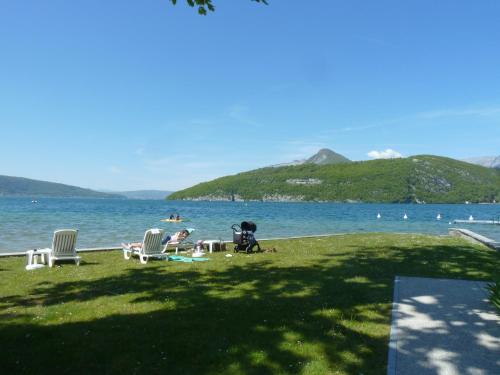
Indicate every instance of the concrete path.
{"type": "Point", "coordinates": [443, 327]}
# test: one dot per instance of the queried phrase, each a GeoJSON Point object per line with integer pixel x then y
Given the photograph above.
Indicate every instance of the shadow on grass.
{"type": "Point", "coordinates": [87, 263]}
{"type": "Point", "coordinates": [64, 263]}
{"type": "Point", "coordinates": [261, 318]}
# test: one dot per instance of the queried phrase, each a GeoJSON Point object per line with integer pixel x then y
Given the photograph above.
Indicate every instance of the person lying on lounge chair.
{"type": "Point", "coordinates": [177, 237]}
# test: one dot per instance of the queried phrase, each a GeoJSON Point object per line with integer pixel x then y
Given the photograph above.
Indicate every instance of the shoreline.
{"type": "Point", "coordinates": [347, 201]}
{"type": "Point", "coordinates": [226, 200]}
{"type": "Point", "coordinates": [474, 237]}
{"type": "Point", "coordinates": [452, 232]}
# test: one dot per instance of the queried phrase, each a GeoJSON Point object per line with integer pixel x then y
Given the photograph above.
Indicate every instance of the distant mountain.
{"type": "Point", "coordinates": [25, 187]}
{"type": "Point", "coordinates": [327, 156]}
{"type": "Point", "coordinates": [416, 179]}
{"type": "Point", "coordinates": [322, 157]}
{"type": "Point", "coordinates": [145, 194]}
{"type": "Point", "coordinates": [485, 161]}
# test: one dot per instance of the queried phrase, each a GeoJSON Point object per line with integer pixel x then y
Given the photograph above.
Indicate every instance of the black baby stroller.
{"type": "Point", "coordinates": [243, 237]}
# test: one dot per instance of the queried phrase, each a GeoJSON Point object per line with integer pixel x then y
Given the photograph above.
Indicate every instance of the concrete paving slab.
{"type": "Point", "coordinates": [444, 327]}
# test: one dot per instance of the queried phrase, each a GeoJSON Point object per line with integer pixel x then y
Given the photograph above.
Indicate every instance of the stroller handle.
{"type": "Point", "coordinates": [236, 228]}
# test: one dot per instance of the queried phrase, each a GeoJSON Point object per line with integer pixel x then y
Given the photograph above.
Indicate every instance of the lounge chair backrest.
{"type": "Point", "coordinates": [64, 242]}
{"type": "Point", "coordinates": [152, 241]}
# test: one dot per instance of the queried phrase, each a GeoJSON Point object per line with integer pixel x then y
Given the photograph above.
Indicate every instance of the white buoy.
{"type": "Point", "coordinates": [405, 217]}
{"type": "Point", "coordinates": [379, 216]}
{"type": "Point", "coordinates": [438, 217]}
{"type": "Point", "coordinates": [471, 218]}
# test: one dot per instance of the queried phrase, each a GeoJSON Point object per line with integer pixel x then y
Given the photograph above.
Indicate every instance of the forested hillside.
{"type": "Point", "coordinates": [423, 178]}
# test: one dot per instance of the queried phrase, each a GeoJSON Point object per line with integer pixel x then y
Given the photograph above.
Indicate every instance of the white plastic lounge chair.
{"type": "Point", "coordinates": [151, 247]}
{"type": "Point", "coordinates": [63, 246]}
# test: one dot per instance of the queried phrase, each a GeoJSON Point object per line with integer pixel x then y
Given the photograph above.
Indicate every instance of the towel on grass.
{"type": "Point", "coordinates": [178, 258]}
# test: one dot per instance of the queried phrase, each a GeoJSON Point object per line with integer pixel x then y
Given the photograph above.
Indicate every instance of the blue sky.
{"type": "Point", "coordinates": [127, 94]}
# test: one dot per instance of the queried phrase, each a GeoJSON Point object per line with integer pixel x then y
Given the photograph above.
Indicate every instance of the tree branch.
{"type": "Point", "coordinates": [205, 6]}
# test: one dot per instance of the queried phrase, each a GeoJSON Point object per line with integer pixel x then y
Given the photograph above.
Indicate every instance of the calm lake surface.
{"type": "Point", "coordinates": [108, 222]}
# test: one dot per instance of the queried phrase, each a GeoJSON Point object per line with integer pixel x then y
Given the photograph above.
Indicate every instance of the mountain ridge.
{"type": "Point", "coordinates": [485, 161]}
{"type": "Point", "coordinates": [323, 156]}
{"type": "Point", "coordinates": [11, 186]}
{"type": "Point", "coordinates": [415, 179]}
{"type": "Point", "coordinates": [327, 156]}
{"type": "Point", "coordinates": [144, 194]}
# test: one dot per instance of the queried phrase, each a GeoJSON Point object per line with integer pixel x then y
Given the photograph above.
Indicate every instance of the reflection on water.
{"type": "Point", "coordinates": [108, 222]}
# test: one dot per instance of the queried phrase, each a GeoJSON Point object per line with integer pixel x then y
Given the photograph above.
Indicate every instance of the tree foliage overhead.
{"type": "Point", "coordinates": [207, 5]}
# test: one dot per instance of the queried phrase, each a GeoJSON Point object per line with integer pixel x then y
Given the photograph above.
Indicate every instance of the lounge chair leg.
{"type": "Point", "coordinates": [143, 259]}
{"type": "Point", "coordinates": [51, 261]}
{"type": "Point", "coordinates": [127, 254]}
{"type": "Point", "coordinates": [77, 261]}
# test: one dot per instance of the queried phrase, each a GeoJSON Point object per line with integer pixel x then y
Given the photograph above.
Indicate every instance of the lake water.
{"type": "Point", "coordinates": [108, 222]}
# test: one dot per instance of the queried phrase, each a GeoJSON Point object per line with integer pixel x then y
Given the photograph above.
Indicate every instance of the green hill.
{"type": "Point", "coordinates": [19, 186]}
{"type": "Point", "coordinates": [423, 178]}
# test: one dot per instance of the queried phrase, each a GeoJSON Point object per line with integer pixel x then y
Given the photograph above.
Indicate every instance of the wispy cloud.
{"type": "Point", "coordinates": [479, 111]}
{"type": "Point", "coordinates": [115, 170]}
{"type": "Point", "coordinates": [297, 150]}
{"type": "Point", "coordinates": [418, 119]}
{"type": "Point", "coordinates": [375, 41]}
{"type": "Point", "coordinates": [349, 129]}
{"type": "Point", "coordinates": [241, 114]}
{"type": "Point", "coordinates": [201, 122]}
{"type": "Point", "coordinates": [181, 171]}
{"type": "Point", "coordinates": [277, 88]}
{"type": "Point", "coordinates": [385, 154]}
{"type": "Point", "coordinates": [187, 163]}
{"type": "Point", "coordinates": [161, 163]}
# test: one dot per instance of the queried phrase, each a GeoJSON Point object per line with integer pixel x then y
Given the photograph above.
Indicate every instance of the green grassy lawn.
{"type": "Point", "coordinates": [316, 306]}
